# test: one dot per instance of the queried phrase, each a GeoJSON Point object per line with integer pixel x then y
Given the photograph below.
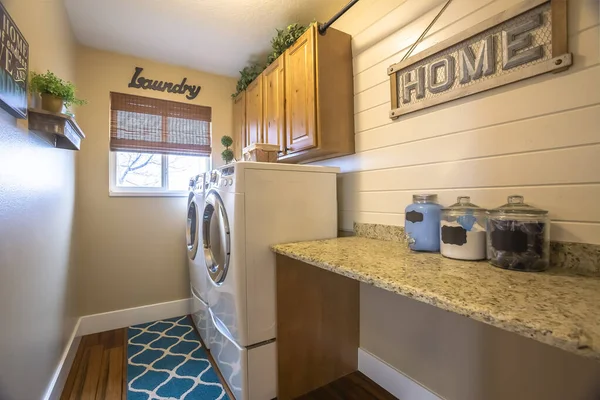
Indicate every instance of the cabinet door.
{"type": "Point", "coordinates": [300, 93]}
{"type": "Point", "coordinates": [239, 125]}
{"type": "Point", "coordinates": [254, 112]}
{"type": "Point", "coordinates": [274, 104]}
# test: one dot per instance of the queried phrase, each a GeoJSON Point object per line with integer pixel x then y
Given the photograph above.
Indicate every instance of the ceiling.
{"type": "Point", "coordinates": [218, 36]}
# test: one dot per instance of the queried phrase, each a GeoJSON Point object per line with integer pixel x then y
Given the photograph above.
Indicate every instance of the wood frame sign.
{"type": "Point", "coordinates": [524, 41]}
{"type": "Point", "coordinates": [14, 67]}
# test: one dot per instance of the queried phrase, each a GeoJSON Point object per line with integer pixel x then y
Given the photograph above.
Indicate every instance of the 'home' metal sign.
{"type": "Point", "coordinates": [524, 41]}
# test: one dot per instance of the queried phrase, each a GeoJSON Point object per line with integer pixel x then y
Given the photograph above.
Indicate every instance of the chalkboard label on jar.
{"type": "Point", "coordinates": [454, 235]}
{"type": "Point", "coordinates": [509, 240]}
{"type": "Point", "coordinates": [414, 216]}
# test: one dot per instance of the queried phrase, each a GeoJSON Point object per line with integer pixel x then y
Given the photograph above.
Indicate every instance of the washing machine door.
{"type": "Point", "coordinates": [192, 227]}
{"type": "Point", "coordinates": [215, 232]}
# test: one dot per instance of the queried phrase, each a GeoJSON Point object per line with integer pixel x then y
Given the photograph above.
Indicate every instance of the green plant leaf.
{"type": "Point", "coordinates": [226, 141]}
{"type": "Point", "coordinates": [248, 74]}
{"type": "Point", "coordinates": [227, 155]}
{"type": "Point", "coordinates": [282, 40]}
{"type": "Point", "coordinates": [49, 83]}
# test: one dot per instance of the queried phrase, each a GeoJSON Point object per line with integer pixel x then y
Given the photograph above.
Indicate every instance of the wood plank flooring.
{"type": "Point", "coordinates": [99, 372]}
{"type": "Point", "coordinates": [99, 368]}
{"type": "Point", "coordinates": [355, 386]}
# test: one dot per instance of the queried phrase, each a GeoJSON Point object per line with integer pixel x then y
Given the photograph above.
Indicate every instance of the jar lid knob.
{"type": "Point", "coordinates": [463, 199]}
{"type": "Point", "coordinates": [515, 199]}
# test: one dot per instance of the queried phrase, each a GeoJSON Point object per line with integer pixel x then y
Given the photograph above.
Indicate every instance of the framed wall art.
{"type": "Point", "coordinates": [14, 67]}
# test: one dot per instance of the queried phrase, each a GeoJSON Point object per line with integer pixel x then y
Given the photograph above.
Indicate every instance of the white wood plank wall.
{"type": "Point", "coordinates": [539, 137]}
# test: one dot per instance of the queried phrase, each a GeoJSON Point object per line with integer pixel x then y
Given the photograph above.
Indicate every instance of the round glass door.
{"type": "Point", "coordinates": [191, 231]}
{"type": "Point", "coordinates": [215, 232]}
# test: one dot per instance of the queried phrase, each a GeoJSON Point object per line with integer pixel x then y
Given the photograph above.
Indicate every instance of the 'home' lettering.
{"type": "Point", "coordinates": [440, 74]}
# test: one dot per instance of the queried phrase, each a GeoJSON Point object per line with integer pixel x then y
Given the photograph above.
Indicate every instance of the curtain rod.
{"type": "Point", "coordinates": [323, 28]}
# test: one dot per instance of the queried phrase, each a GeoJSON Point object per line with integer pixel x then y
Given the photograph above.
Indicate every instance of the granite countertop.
{"type": "Point", "coordinates": [557, 307]}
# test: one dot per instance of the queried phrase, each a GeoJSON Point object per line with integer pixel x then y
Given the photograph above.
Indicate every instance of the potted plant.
{"type": "Point", "coordinates": [227, 154]}
{"type": "Point", "coordinates": [54, 91]}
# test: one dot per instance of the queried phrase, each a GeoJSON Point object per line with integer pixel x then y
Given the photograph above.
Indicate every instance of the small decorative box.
{"type": "Point", "coordinates": [261, 152]}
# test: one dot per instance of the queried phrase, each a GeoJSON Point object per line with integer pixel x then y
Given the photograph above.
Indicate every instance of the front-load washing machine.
{"type": "Point", "coordinates": [199, 282]}
{"type": "Point", "coordinates": [250, 206]}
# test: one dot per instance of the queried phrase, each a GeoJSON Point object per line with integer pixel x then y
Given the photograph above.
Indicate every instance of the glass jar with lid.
{"type": "Point", "coordinates": [519, 236]}
{"type": "Point", "coordinates": [462, 231]}
{"type": "Point", "coordinates": [422, 223]}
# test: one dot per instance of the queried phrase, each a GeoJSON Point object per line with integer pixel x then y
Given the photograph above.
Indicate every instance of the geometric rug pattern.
{"type": "Point", "coordinates": [166, 361]}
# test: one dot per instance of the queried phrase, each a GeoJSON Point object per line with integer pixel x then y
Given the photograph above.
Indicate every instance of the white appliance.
{"type": "Point", "coordinates": [250, 206]}
{"type": "Point", "coordinates": [199, 282]}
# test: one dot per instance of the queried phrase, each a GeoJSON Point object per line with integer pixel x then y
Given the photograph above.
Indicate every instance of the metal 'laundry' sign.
{"type": "Point", "coordinates": [140, 82]}
{"type": "Point", "coordinates": [524, 41]}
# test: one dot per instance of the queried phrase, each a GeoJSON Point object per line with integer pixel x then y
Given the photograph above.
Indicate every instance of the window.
{"type": "Point", "coordinates": [156, 145]}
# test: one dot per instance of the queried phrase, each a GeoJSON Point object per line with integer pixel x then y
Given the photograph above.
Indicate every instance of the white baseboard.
{"type": "Point", "coordinates": [391, 379]}
{"type": "Point", "coordinates": [61, 373]}
{"type": "Point", "coordinates": [132, 316]}
{"type": "Point", "coordinates": [95, 323]}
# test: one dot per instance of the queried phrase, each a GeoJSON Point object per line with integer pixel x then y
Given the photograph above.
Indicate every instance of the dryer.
{"type": "Point", "coordinates": [250, 206]}
{"type": "Point", "coordinates": [199, 283]}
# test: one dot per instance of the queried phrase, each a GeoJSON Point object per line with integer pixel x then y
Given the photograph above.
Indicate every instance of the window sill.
{"type": "Point", "coordinates": [147, 194]}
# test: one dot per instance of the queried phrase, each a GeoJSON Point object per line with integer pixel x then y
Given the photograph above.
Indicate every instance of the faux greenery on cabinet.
{"type": "Point", "coordinates": [248, 74]}
{"type": "Point", "coordinates": [284, 39]}
{"type": "Point", "coordinates": [279, 44]}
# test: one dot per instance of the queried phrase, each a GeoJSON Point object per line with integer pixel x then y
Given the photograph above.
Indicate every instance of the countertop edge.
{"type": "Point", "coordinates": [524, 330]}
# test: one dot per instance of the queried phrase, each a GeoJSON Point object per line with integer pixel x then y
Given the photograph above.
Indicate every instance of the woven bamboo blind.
{"type": "Point", "coordinates": [146, 125]}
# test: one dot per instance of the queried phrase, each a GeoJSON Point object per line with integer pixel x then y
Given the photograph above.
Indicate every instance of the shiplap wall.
{"type": "Point", "coordinates": [539, 137]}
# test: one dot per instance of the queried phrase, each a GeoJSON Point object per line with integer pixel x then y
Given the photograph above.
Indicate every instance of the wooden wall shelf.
{"type": "Point", "coordinates": [60, 130]}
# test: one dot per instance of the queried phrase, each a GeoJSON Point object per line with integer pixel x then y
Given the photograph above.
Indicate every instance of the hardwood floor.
{"type": "Point", "coordinates": [99, 372]}
{"type": "Point", "coordinates": [99, 368]}
{"type": "Point", "coordinates": [354, 386]}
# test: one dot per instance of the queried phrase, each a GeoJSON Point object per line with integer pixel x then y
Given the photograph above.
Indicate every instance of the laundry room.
{"type": "Point", "coordinates": [300, 199]}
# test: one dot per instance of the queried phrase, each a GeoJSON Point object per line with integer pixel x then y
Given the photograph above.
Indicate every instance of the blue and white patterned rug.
{"type": "Point", "coordinates": [166, 361]}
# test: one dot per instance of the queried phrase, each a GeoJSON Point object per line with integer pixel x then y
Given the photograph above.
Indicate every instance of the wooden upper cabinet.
{"type": "Point", "coordinates": [274, 103]}
{"type": "Point", "coordinates": [304, 101]}
{"type": "Point", "coordinates": [239, 125]}
{"type": "Point", "coordinates": [319, 97]}
{"type": "Point", "coordinates": [254, 111]}
{"type": "Point", "coordinates": [300, 94]}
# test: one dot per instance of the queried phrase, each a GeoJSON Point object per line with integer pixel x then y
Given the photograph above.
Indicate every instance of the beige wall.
{"type": "Point", "coordinates": [462, 359]}
{"type": "Point", "coordinates": [539, 137]}
{"type": "Point", "coordinates": [36, 219]}
{"type": "Point", "coordinates": [131, 250]}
